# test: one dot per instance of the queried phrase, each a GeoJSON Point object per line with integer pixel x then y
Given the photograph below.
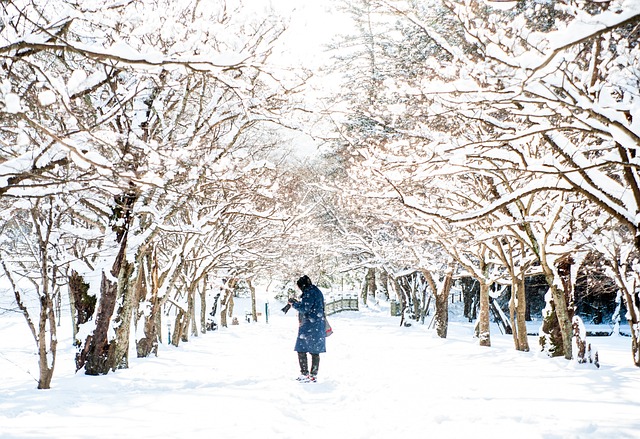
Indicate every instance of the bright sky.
{"type": "Point", "coordinates": [312, 26]}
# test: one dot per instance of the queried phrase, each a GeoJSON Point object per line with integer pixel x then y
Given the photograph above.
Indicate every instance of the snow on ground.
{"type": "Point", "coordinates": [377, 380]}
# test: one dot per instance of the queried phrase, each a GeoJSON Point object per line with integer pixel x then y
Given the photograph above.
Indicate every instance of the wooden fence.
{"type": "Point", "coordinates": [341, 304]}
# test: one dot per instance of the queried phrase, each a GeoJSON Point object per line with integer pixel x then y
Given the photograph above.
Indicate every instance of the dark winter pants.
{"type": "Point", "coordinates": [304, 365]}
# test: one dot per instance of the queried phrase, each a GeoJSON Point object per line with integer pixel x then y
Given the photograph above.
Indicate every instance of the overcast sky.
{"type": "Point", "coordinates": [313, 25]}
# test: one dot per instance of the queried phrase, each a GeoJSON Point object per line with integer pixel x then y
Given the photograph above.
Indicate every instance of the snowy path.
{"type": "Point", "coordinates": [376, 381]}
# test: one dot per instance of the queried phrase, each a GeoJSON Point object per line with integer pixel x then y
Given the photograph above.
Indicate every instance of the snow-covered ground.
{"type": "Point", "coordinates": [377, 380]}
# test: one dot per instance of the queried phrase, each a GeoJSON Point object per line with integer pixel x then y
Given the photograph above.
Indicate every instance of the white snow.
{"type": "Point", "coordinates": [46, 98]}
{"type": "Point", "coordinates": [12, 103]}
{"type": "Point", "coordinates": [377, 380]}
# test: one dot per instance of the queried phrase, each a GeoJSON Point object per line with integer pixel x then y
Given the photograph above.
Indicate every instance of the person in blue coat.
{"type": "Point", "coordinates": [311, 333]}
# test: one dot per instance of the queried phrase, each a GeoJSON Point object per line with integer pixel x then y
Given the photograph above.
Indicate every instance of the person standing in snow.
{"type": "Point", "coordinates": [311, 333]}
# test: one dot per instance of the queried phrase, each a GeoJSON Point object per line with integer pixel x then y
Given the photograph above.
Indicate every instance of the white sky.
{"type": "Point", "coordinates": [313, 25]}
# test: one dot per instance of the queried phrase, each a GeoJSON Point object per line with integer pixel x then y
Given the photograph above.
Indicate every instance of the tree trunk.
{"type": "Point", "coordinates": [254, 312]}
{"type": "Point", "coordinates": [551, 338]}
{"type": "Point", "coordinates": [93, 356]}
{"type": "Point", "coordinates": [178, 327]}
{"type": "Point", "coordinates": [47, 319]}
{"type": "Point", "coordinates": [402, 296]}
{"type": "Point", "coordinates": [384, 284]}
{"type": "Point", "coordinates": [442, 308]}
{"type": "Point", "coordinates": [83, 305]}
{"type": "Point", "coordinates": [563, 320]}
{"type": "Point", "coordinates": [558, 327]}
{"type": "Point", "coordinates": [371, 283]}
{"type": "Point", "coordinates": [441, 294]}
{"type": "Point", "coordinates": [227, 302]}
{"type": "Point", "coordinates": [99, 354]}
{"type": "Point", "coordinates": [194, 321]}
{"type": "Point", "coordinates": [126, 298]}
{"type": "Point", "coordinates": [484, 331]}
{"type": "Point", "coordinates": [518, 308]}
{"type": "Point", "coordinates": [203, 306]}
{"type": "Point", "coordinates": [183, 319]}
{"type": "Point", "coordinates": [512, 315]}
{"type": "Point", "coordinates": [148, 344]}
{"type": "Point", "coordinates": [425, 299]}
{"type": "Point", "coordinates": [415, 299]}
{"type": "Point", "coordinates": [627, 282]}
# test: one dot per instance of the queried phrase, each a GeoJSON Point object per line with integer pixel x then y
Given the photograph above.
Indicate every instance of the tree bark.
{"type": "Point", "coordinates": [119, 346]}
{"type": "Point", "coordinates": [402, 296]}
{"type": "Point", "coordinates": [148, 344]}
{"type": "Point", "coordinates": [203, 306]}
{"type": "Point", "coordinates": [551, 339]}
{"type": "Point", "coordinates": [83, 305]}
{"type": "Point", "coordinates": [484, 331]}
{"type": "Point", "coordinates": [254, 312]}
{"type": "Point", "coordinates": [99, 354]}
{"type": "Point", "coordinates": [227, 302]}
{"type": "Point", "coordinates": [441, 317]}
{"type": "Point", "coordinates": [47, 319]}
{"type": "Point", "coordinates": [192, 306]}
{"type": "Point", "coordinates": [178, 327]}
{"type": "Point", "coordinates": [384, 284]}
{"type": "Point", "coordinates": [371, 283]}
{"type": "Point", "coordinates": [93, 356]}
{"type": "Point", "coordinates": [631, 300]}
{"type": "Point", "coordinates": [518, 308]}
{"type": "Point", "coordinates": [563, 320]}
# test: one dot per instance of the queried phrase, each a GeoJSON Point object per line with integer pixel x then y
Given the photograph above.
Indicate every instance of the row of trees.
{"type": "Point", "coordinates": [139, 156]}
{"type": "Point", "coordinates": [499, 143]}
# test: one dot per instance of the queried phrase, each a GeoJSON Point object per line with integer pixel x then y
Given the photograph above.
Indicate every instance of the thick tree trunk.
{"type": "Point", "coordinates": [627, 285]}
{"type": "Point", "coordinates": [441, 317]}
{"type": "Point", "coordinates": [83, 305]}
{"type": "Point", "coordinates": [551, 339]}
{"type": "Point", "coordinates": [126, 299]}
{"type": "Point", "coordinates": [94, 354]}
{"type": "Point", "coordinates": [563, 320]}
{"type": "Point", "coordinates": [558, 326]}
{"type": "Point", "coordinates": [100, 354]}
{"type": "Point", "coordinates": [442, 307]}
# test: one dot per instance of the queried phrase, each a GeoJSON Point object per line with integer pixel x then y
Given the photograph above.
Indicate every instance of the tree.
{"type": "Point", "coordinates": [566, 98]}
{"type": "Point", "coordinates": [34, 264]}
